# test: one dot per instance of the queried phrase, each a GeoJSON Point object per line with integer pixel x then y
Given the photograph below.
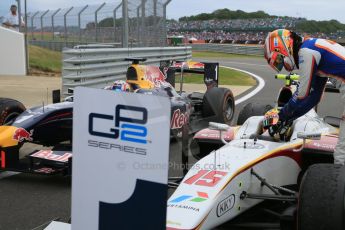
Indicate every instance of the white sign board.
{"type": "Point", "coordinates": [120, 160]}
{"type": "Point", "coordinates": [58, 226]}
{"type": "Point", "coordinates": [12, 55]}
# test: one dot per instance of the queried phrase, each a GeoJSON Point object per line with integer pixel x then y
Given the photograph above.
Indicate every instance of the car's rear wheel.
{"type": "Point", "coordinates": [219, 103]}
{"type": "Point", "coordinates": [321, 204]}
{"type": "Point", "coordinates": [10, 109]}
{"type": "Point", "coordinates": [250, 110]}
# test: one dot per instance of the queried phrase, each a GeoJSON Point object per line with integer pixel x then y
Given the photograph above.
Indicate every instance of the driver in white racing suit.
{"type": "Point", "coordinates": [316, 60]}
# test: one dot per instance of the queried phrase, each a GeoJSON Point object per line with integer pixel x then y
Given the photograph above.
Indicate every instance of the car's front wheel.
{"type": "Point", "coordinates": [321, 204]}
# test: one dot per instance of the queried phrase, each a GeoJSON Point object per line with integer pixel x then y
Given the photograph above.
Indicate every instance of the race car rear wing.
{"type": "Point", "coordinates": [211, 74]}
{"type": "Point", "coordinates": [209, 70]}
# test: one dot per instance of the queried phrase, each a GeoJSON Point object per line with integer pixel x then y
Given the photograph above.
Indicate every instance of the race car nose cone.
{"type": "Point", "coordinates": [7, 136]}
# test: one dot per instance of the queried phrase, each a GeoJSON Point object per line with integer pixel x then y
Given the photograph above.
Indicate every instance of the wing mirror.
{"type": "Point", "coordinates": [218, 126]}
{"type": "Point", "coordinates": [307, 136]}
{"type": "Point", "coordinates": [221, 128]}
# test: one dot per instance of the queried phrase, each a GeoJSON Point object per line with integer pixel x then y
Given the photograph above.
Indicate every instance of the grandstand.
{"type": "Point", "coordinates": [246, 30]}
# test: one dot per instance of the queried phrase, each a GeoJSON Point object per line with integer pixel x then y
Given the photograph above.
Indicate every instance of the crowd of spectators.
{"type": "Point", "coordinates": [235, 24]}
{"type": "Point", "coordinates": [331, 36]}
{"type": "Point", "coordinates": [238, 30]}
{"type": "Point", "coordinates": [220, 35]}
{"type": "Point", "coordinates": [235, 31]}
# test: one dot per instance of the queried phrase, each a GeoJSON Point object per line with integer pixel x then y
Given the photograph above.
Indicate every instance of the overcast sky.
{"type": "Point", "coordinates": [311, 9]}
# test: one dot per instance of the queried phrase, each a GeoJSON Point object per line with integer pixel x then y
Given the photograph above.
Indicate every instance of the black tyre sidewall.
{"type": "Point", "coordinates": [215, 104]}
{"type": "Point", "coordinates": [228, 97]}
{"type": "Point", "coordinates": [321, 198]}
{"type": "Point", "coordinates": [10, 107]}
{"type": "Point", "coordinates": [250, 110]}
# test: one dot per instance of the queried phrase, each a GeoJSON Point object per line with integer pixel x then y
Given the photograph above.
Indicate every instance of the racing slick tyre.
{"type": "Point", "coordinates": [219, 103]}
{"type": "Point", "coordinates": [250, 110]}
{"type": "Point", "coordinates": [321, 199]}
{"type": "Point", "coordinates": [9, 110]}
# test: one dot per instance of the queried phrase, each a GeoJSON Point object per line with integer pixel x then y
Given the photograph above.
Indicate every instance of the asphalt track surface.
{"type": "Point", "coordinates": [28, 201]}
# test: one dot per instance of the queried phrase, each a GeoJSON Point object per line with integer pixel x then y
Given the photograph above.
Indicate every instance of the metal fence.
{"type": "Point", "coordinates": [97, 66]}
{"type": "Point", "coordinates": [255, 50]}
{"type": "Point", "coordinates": [124, 23]}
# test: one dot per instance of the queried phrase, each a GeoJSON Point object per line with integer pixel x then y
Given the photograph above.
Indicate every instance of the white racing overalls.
{"type": "Point", "coordinates": [339, 153]}
{"type": "Point", "coordinates": [318, 60]}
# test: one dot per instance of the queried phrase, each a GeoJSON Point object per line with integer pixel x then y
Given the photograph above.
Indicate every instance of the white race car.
{"type": "Point", "coordinates": [248, 171]}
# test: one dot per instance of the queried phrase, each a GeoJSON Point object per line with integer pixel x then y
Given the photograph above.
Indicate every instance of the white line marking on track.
{"type": "Point", "coordinates": [243, 63]}
{"type": "Point", "coordinates": [258, 88]}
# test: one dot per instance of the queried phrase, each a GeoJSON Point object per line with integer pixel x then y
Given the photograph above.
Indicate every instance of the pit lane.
{"type": "Point", "coordinates": [28, 201]}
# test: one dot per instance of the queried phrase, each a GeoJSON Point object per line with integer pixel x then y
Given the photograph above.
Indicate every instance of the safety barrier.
{"type": "Point", "coordinates": [60, 45]}
{"type": "Point", "coordinates": [97, 66]}
{"type": "Point", "coordinates": [255, 50]}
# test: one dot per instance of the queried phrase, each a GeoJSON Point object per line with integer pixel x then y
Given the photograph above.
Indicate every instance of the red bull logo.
{"type": "Point", "coordinates": [21, 135]}
{"type": "Point", "coordinates": [179, 119]}
{"type": "Point", "coordinates": [154, 75]}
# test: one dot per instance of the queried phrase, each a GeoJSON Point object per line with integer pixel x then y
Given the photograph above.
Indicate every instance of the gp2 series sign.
{"type": "Point", "coordinates": [127, 125]}
{"type": "Point", "coordinates": [126, 128]}
{"type": "Point", "coordinates": [113, 132]}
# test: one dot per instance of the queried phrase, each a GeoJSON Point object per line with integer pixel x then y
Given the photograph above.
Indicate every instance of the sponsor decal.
{"type": "Point", "coordinates": [248, 145]}
{"type": "Point", "coordinates": [126, 127]}
{"type": "Point", "coordinates": [201, 197]}
{"type": "Point", "coordinates": [183, 207]}
{"type": "Point", "coordinates": [50, 155]}
{"type": "Point", "coordinates": [324, 146]}
{"type": "Point", "coordinates": [215, 135]}
{"type": "Point", "coordinates": [180, 65]}
{"type": "Point", "coordinates": [45, 170]}
{"type": "Point", "coordinates": [189, 65]}
{"type": "Point", "coordinates": [225, 205]}
{"type": "Point", "coordinates": [21, 135]}
{"type": "Point", "coordinates": [198, 65]}
{"type": "Point", "coordinates": [179, 119]}
{"type": "Point", "coordinates": [206, 178]}
{"type": "Point", "coordinates": [275, 41]}
{"type": "Point", "coordinates": [155, 75]}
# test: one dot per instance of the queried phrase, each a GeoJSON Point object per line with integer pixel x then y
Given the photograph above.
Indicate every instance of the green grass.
{"type": "Point", "coordinates": [51, 61]}
{"type": "Point", "coordinates": [204, 54]}
{"type": "Point", "coordinates": [44, 59]}
{"type": "Point", "coordinates": [226, 77]}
